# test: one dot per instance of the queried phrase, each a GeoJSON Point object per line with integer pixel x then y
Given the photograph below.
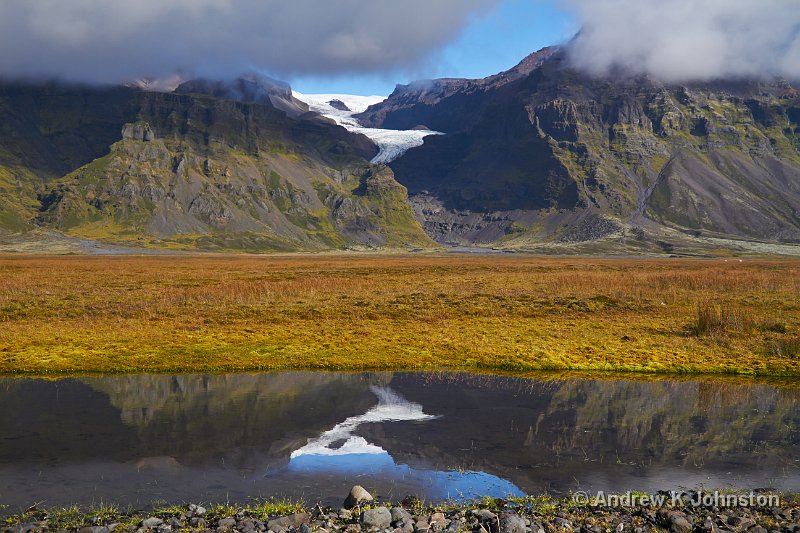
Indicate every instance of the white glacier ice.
{"type": "Point", "coordinates": [391, 408]}
{"type": "Point", "coordinates": [391, 143]}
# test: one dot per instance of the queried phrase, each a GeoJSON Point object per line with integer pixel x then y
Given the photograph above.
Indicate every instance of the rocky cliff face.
{"type": "Point", "coordinates": [549, 155]}
{"type": "Point", "coordinates": [251, 88]}
{"type": "Point", "coordinates": [213, 166]}
{"type": "Point", "coordinates": [539, 157]}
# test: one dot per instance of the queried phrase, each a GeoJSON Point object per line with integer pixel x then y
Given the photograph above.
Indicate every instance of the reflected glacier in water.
{"type": "Point", "coordinates": [339, 450]}
{"type": "Point", "coordinates": [135, 439]}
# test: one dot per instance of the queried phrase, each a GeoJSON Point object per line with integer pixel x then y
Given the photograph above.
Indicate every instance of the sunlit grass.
{"type": "Point", "coordinates": [214, 313]}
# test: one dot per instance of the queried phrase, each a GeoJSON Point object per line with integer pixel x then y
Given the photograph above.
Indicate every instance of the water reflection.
{"type": "Point", "coordinates": [339, 450]}
{"type": "Point", "coordinates": [135, 439]}
{"type": "Point", "coordinates": [340, 441]}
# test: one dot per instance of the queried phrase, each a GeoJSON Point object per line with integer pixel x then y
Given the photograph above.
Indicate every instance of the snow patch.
{"type": "Point", "coordinates": [391, 143]}
{"type": "Point", "coordinates": [391, 408]}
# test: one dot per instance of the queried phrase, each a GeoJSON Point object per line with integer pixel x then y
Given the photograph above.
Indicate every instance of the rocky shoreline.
{"type": "Point", "coordinates": [683, 513]}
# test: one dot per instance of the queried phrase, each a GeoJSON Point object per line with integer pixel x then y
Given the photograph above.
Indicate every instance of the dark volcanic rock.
{"type": "Point", "coordinates": [637, 153]}
{"type": "Point", "coordinates": [338, 104]}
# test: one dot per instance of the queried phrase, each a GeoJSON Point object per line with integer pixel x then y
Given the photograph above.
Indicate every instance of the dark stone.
{"type": "Point", "coordinates": [227, 523]}
{"type": "Point", "coordinates": [93, 529]}
{"type": "Point", "coordinates": [291, 521]}
{"type": "Point", "coordinates": [485, 515]}
{"type": "Point", "coordinates": [675, 521]}
{"type": "Point", "coordinates": [378, 518]}
{"type": "Point", "coordinates": [338, 104]}
{"type": "Point", "coordinates": [511, 523]}
{"type": "Point", "coordinates": [402, 519]}
{"type": "Point", "coordinates": [152, 522]}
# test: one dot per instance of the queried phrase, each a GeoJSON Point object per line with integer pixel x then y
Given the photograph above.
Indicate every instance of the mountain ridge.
{"type": "Point", "coordinates": [537, 158]}
{"type": "Point", "coordinates": [581, 159]}
{"type": "Point", "coordinates": [193, 171]}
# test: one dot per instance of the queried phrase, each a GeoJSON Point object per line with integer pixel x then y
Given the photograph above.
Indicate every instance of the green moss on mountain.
{"type": "Point", "coordinates": [187, 171]}
{"type": "Point", "coordinates": [554, 149]}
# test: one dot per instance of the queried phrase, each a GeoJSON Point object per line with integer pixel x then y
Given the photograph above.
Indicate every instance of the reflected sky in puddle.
{"type": "Point", "coordinates": [340, 450]}
{"type": "Point", "coordinates": [136, 439]}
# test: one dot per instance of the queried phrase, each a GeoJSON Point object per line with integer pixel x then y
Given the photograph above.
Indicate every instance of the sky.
{"type": "Point", "coordinates": [368, 46]}
{"type": "Point", "coordinates": [487, 45]}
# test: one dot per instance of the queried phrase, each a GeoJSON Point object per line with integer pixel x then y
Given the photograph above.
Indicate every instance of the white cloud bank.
{"type": "Point", "coordinates": [115, 40]}
{"type": "Point", "coordinates": [680, 40]}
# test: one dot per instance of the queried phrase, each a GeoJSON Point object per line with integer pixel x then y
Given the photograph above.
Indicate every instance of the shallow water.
{"type": "Point", "coordinates": [190, 438]}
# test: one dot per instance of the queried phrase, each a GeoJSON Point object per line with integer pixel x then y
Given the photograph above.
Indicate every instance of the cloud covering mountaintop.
{"type": "Point", "coordinates": [115, 40]}
{"type": "Point", "coordinates": [681, 40]}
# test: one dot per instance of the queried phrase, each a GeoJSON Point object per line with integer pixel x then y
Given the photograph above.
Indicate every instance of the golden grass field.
{"type": "Point", "coordinates": [215, 313]}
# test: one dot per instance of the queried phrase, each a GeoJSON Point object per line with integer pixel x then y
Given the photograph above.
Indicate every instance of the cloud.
{"type": "Point", "coordinates": [116, 40]}
{"type": "Point", "coordinates": [683, 40]}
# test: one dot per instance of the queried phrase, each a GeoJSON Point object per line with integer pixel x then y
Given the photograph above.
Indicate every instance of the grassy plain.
{"type": "Point", "coordinates": [215, 313]}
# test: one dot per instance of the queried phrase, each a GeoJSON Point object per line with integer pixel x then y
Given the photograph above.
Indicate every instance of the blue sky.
{"type": "Point", "coordinates": [490, 44]}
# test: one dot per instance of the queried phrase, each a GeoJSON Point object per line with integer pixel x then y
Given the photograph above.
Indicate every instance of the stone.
{"type": "Point", "coordinates": [746, 524]}
{"type": "Point", "coordinates": [675, 521]}
{"type": "Point", "coordinates": [679, 524]}
{"type": "Point", "coordinates": [199, 511]}
{"type": "Point", "coordinates": [93, 529]}
{"type": "Point", "coordinates": [357, 496]}
{"type": "Point", "coordinates": [227, 523]}
{"type": "Point", "coordinates": [455, 526]}
{"type": "Point", "coordinates": [152, 522]}
{"type": "Point", "coordinates": [511, 523]}
{"type": "Point", "coordinates": [400, 515]}
{"type": "Point", "coordinates": [402, 519]}
{"type": "Point", "coordinates": [138, 132]}
{"type": "Point", "coordinates": [422, 525]}
{"type": "Point", "coordinates": [485, 515]}
{"type": "Point", "coordinates": [378, 518]}
{"type": "Point", "coordinates": [338, 104]}
{"type": "Point", "coordinates": [438, 521]}
{"type": "Point", "coordinates": [304, 528]}
{"type": "Point", "coordinates": [292, 521]}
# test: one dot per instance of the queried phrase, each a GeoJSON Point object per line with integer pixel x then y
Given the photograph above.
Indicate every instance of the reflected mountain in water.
{"type": "Point", "coordinates": [339, 450]}
{"type": "Point", "coordinates": [597, 434]}
{"type": "Point", "coordinates": [135, 439]}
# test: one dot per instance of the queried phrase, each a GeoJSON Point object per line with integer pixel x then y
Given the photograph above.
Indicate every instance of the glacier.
{"type": "Point", "coordinates": [391, 143]}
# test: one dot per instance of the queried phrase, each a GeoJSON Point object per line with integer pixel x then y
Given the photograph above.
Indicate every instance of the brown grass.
{"type": "Point", "coordinates": [206, 313]}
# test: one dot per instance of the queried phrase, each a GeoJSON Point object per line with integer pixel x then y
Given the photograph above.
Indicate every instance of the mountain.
{"type": "Point", "coordinates": [541, 157]}
{"type": "Point", "coordinates": [239, 165]}
{"type": "Point", "coordinates": [545, 155]}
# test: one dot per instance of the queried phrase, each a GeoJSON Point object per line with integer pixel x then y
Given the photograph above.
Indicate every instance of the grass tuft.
{"type": "Point", "coordinates": [787, 346]}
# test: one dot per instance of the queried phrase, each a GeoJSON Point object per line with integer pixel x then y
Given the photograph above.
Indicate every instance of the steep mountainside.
{"type": "Point", "coordinates": [212, 166]}
{"type": "Point", "coordinates": [550, 155]}
{"type": "Point", "coordinates": [539, 157]}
